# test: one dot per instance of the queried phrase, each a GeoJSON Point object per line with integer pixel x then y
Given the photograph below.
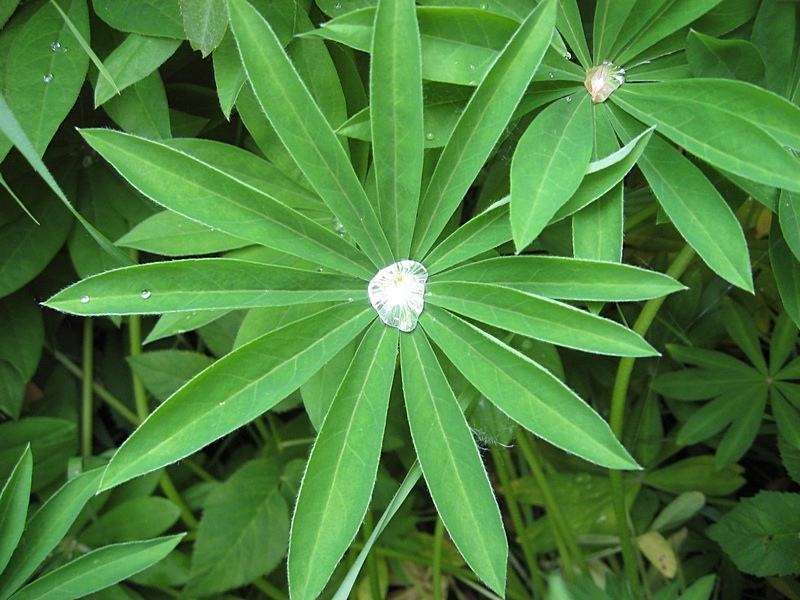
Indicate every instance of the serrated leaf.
{"type": "Point", "coordinates": [698, 473]}
{"type": "Point", "coordinates": [204, 22]}
{"type": "Point", "coordinates": [236, 389]}
{"type": "Point", "coordinates": [451, 463]}
{"type": "Point", "coordinates": [304, 130]}
{"type": "Point", "coordinates": [481, 125]}
{"type": "Point", "coordinates": [525, 391]}
{"type": "Point", "coordinates": [565, 278]}
{"type": "Point", "coordinates": [201, 284]}
{"type": "Point", "coordinates": [343, 464]}
{"type": "Point", "coordinates": [537, 317]}
{"type": "Point", "coordinates": [762, 534]}
{"type": "Point", "coordinates": [548, 165]}
{"type": "Point", "coordinates": [244, 513]}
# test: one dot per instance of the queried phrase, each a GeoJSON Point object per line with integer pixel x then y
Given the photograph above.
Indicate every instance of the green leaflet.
{"type": "Point", "coordinates": [204, 22]}
{"type": "Point", "coordinates": [537, 317]}
{"type": "Point", "coordinates": [343, 465]}
{"type": "Point", "coordinates": [160, 18]}
{"type": "Point", "coordinates": [202, 192]}
{"type": "Point", "coordinates": [711, 118]}
{"type": "Point", "coordinates": [549, 164]}
{"type": "Point", "coordinates": [14, 506]}
{"type": "Point", "coordinates": [236, 389]}
{"type": "Point", "coordinates": [98, 569]}
{"type": "Point", "coordinates": [451, 464]}
{"type": "Point", "coordinates": [725, 59]}
{"type": "Point", "coordinates": [789, 218]}
{"type": "Point", "coordinates": [396, 120]}
{"type": "Point", "coordinates": [200, 284]}
{"type": "Point", "coordinates": [693, 205]}
{"type": "Point", "coordinates": [525, 391]}
{"type": "Point", "coordinates": [565, 278]}
{"type": "Point", "coordinates": [481, 125]}
{"type": "Point", "coordinates": [609, 17]}
{"type": "Point", "coordinates": [304, 130]}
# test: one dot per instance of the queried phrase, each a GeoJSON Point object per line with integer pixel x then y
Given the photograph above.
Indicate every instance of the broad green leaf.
{"type": "Point", "coordinates": [481, 125]}
{"type": "Point", "coordinates": [98, 569]}
{"type": "Point", "coordinates": [693, 205]}
{"type": "Point", "coordinates": [42, 77]}
{"type": "Point", "coordinates": [170, 234]}
{"type": "Point", "coordinates": [570, 25]}
{"type": "Point", "coordinates": [47, 528]}
{"type": "Point", "coordinates": [725, 59]}
{"type": "Point", "coordinates": [609, 17]}
{"type": "Point", "coordinates": [548, 165]}
{"type": "Point", "coordinates": [343, 465]}
{"type": "Point", "coordinates": [775, 36]}
{"type": "Point", "coordinates": [762, 534]}
{"type": "Point", "coordinates": [14, 506]}
{"type": "Point", "coordinates": [198, 284]}
{"type": "Point", "coordinates": [229, 74]}
{"type": "Point", "coordinates": [784, 268]}
{"type": "Point", "coordinates": [236, 389]}
{"type": "Point", "coordinates": [243, 533]}
{"type": "Point", "coordinates": [451, 463]}
{"type": "Point", "coordinates": [566, 278]}
{"type": "Point", "coordinates": [201, 191]}
{"type": "Point", "coordinates": [713, 130]}
{"type": "Point", "coordinates": [204, 22]}
{"type": "Point", "coordinates": [163, 372]}
{"type": "Point", "coordinates": [142, 108]}
{"type": "Point", "coordinates": [650, 21]}
{"type": "Point", "coordinates": [21, 341]}
{"type": "Point", "coordinates": [597, 229]}
{"type": "Point", "coordinates": [678, 511]}
{"type": "Point", "coordinates": [603, 174]}
{"type": "Point", "coordinates": [526, 392]}
{"type": "Point", "coordinates": [131, 61]}
{"type": "Point", "coordinates": [789, 218]}
{"type": "Point", "coordinates": [480, 234]}
{"type": "Point", "coordinates": [697, 473]}
{"type": "Point", "coordinates": [396, 118]}
{"type": "Point", "coordinates": [304, 130]}
{"type": "Point", "coordinates": [160, 18]}
{"type": "Point", "coordinates": [537, 317]}
{"type": "Point", "coordinates": [130, 520]}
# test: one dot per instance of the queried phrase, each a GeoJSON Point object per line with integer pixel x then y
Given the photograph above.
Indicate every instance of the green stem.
{"type": "Point", "coordinates": [501, 458]}
{"type": "Point", "coordinates": [372, 563]}
{"type": "Point", "coordinates": [567, 546]}
{"type": "Point", "coordinates": [139, 392]}
{"type": "Point", "coordinates": [87, 396]}
{"type": "Point", "coordinates": [270, 590]}
{"type": "Point", "coordinates": [617, 416]}
{"type": "Point", "coordinates": [172, 493]}
{"type": "Point", "coordinates": [101, 392]}
{"type": "Point", "coordinates": [436, 565]}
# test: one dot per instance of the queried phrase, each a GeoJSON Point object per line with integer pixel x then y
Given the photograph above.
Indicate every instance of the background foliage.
{"type": "Point", "coordinates": [603, 195]}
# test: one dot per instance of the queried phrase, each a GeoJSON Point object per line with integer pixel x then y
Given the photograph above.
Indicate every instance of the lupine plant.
{"type": "Point", "coordinates": [394, 215]}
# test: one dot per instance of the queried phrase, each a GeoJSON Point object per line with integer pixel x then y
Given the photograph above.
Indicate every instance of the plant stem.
{"type": "Point", "coordinates": [567, 546]}
{"type": "Point", "coordinates": [502, 459]}
{"type": "Point", "coordinates": [372, 563]}
{"type": "Point", "coordinates": [616, 420]}
{"type": "Point", "coordinates": [87, 395]}
{"type": "Point", "coordinates": [436, 565]}
{"type": "Point", "coordinates": [139, 392]}
{"type": "Point", "coordinates": [172, 493]}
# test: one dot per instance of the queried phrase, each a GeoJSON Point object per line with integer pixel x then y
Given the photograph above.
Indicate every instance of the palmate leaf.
{"type": "Point", "coordinates": [343, 464]}
{"type": "Point", "coordinates": [200, 284]}
{"type": "Point", "coordinates": [304, 130]}
{"type": "Point", "coordinates": [538, 317]}
{"type": "Point", "coordinates": [481, 125]}
{"type": "Point", "coordinates": [236, 389]}
{"type": "Point", "coordinates": [451, 463]}
{"type": "Point", "coordinates": [200, 191]}
{"type": "Point", "coordinates": [525, 391]}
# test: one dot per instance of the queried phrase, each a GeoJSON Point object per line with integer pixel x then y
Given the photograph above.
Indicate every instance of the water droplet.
{"type": "Point", "coordinates": [55, 46]}
{"type": "Point", "coordinates": [430, 136]}
{"type": "Point", "coordinates": [319, 269]}
{"type": "Point", "coordinates": [397, 294]}
{"type": "Point", "coordinates": [350, 299]}
{"type": "Point", "coordinates": [472, 67]}
{"type": "Point", "coordinates": [84, 299]}
{"type": "Point", "coordinates": [48, 78]}
{"type": "Point", "coordinates": [64, 49]}
{"type": "Point", "coordinates": [551, 75]}
{"type": "Point", "coordinates": [473, 82]}
{"type": "Point", "coordinates": [484, 6]}
{"type": "Point", "coordinates": [569, 98]}
{"type": "Point", "coordinates": [568, 55]}
{"type": "Point", "coordinates": [145, 294]}
{"type": "Point", "coordinates": [337, 6]}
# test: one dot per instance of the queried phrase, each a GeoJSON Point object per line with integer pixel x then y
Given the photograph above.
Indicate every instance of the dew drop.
{"type": "Point", "coordinates": [568, 55]}
{"type": "Point", "coordinates": [319, 269]}
{"type": "Point", "coordinates": [472, 67]}
{"type": "Point", "coordinates": [473, 82]}
{"type": "Point", "coordinates": [350, 299]}
{"type": "Point", "coordinates": [145, 294]}
{"type": "Point", "coordinates": [337, 6]}
{"type": "Point", "coordinates": [84, 299]}
{"type": "Point", "coordinates": [430, 136]}
{"type": "Point", "coordinates": [48, 78]}
{"type": "Point", "coordinates": [484, 6]}
{"type": "Point", "coordinates": [397, 294]}
{"type": "Point", "coordinates": [55, 46]}
{"type": "Point", "coordinates": [569, 98]}
{"type": "Point", "coordinates": [551, 75]}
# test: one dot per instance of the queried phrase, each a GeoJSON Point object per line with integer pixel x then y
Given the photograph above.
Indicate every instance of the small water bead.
{"type": "Point", "coordinates": [569, 98]}
{"type": "Point", "coordinates": [351, 299]}
{"type": "Point", "coordinates": [84, 299]}
{"type": "Point", "coordinates": [472, 67]}
{"type": "Point", "coordinates": [48, 78]}
{"type": "Point", "coordinates": [145, 294]}
{"type": "Point", "coordinates": [430, 136]}
{"type": "Point", "coordinates": [551, 75]}
{"type": "Point", "coordinates": [568, 55]}
{"type": "Point", "coordinates": [484, 6]}
{"type": "Point", "coordinates": [55, 46]}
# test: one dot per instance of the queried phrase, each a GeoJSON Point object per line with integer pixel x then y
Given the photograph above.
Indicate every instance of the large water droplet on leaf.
{"type": "Point", "coordinates": [602, 80]}
{"type": "Point", "coordinates": [397, 294]}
